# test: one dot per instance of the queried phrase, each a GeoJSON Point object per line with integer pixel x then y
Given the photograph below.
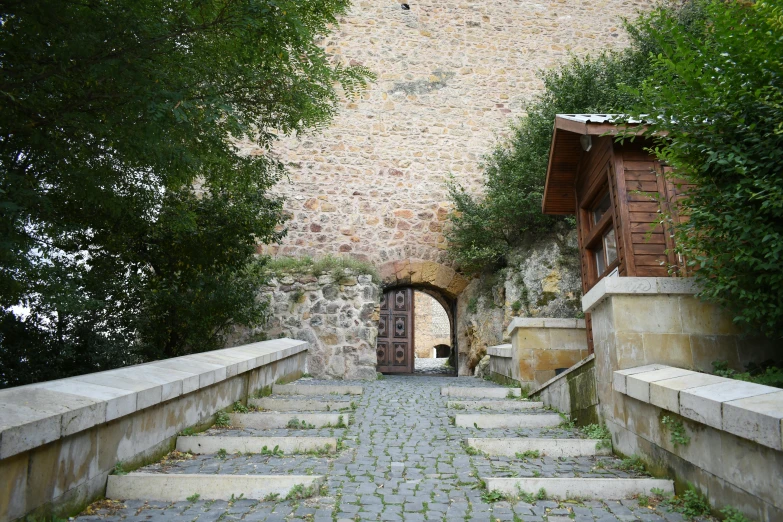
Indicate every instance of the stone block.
{"type": "Point", "coordinates": [61, 466]}
{"type": "Point", "coordinates": [13, 491]}
{"type": "Point", "coordinates": [673, 349]}
{"type": "Point", "coordinates": [638, 384]}
{"type": "Point", "coordinates": [705, 404]}
{"type": "Point", "coordinates": [568, 339]}
{"type": "Point", "coordinates": [666, 393]}
{"type": "Point", "coordinates": [619, 377]}
{"type": "Point", "coordinates": [753, 468]}
{"type": "Point", "coordinates": [699, 317]}
{"type": "Point", "coordinates": [758, 418]}
{"type": "Point", "coordinates": [249, 444]}
{"type": "Point", "coordinates": [22, 429]}
{"type": "Point", "coordinates": [495, 405]}
{"type": "Point", "coordinates": [118, 402]}
{"type": "Point", "coordinates": [553, 448]}
{"type": "Point", "coordinates": [177, 488]}
{"type": "Point", "coordinates": [629, 350]}
{"type": "Point", "coordinates": [265, 421]}
{"type": "Point", "coordinates": [708, 348]}
{"type": "Point", "coordinates": [491, 421]}
{"type": "Point", "coordinates": [585, 488]}
{"type": "Point", "coordinates": [646, 314]}
{"type": "Point", "coordinates": [531, 338]}
{"type": "Point", "coordinates": [147, 393]}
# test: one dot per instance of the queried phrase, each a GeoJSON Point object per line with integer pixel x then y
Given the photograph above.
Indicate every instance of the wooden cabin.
{"type": "Point", "coordinates": [619, 195]}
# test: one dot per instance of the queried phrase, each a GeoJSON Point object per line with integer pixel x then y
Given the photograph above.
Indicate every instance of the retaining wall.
{"type": "Point", "coordinates": [59, 440]}
{"type": "Point", "coordinates": [644, 324]}
{"type": "Point", "coordinates": [542, 346]}
{"type": "Point", "coordinates": [573, 392]}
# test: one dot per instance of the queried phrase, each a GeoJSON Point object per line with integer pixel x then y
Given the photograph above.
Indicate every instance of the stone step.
{"type": "Point", "coordinates": [270, 403]}
{"type": "Point", "coordinates": [181, 487]}
{"type": "Point", "coordinates": [287, 445]}
{"type": "Point", "coordinates": [546, 447]}
{"type": "Point", "coordinates": [582, 488]}
{"type": "Point", "coordinates": [494, 405]}
{"type": "Point", "coordinates": [265, 421]}
{"type": "Point", "coordinates": [480, 393]}
{"type": "Point", "coordinates": [316, 389]}
{"type": "Point", "coordinates": [544, 420]}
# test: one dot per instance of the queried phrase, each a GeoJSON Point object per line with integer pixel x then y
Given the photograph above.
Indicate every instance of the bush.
{"type": "Point", "coordinates": [485, 228]}
{"type": "Point", "coordinates": [716, 90]}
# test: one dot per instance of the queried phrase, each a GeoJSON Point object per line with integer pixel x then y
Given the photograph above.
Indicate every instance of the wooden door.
{"type": "Point", "coordinates": [395, 332]}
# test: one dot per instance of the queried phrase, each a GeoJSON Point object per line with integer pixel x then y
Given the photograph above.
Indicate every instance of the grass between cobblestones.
{"type": "Point", "coordinates": [399, 457]}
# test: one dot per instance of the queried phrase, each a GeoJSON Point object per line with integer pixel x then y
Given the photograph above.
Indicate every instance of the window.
{"type": "Point", "coordinates": [600, 239]}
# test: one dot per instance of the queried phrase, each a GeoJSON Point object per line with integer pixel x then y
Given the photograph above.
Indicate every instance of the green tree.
{"type": "Point", "coordinates": [129, 221]}
{"type": "Point", "coordinates": [717, 93]}
{"type": "Point", "coordinates": [485, 227]}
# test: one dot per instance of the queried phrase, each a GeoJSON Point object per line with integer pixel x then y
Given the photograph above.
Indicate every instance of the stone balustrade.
{"type": "Point", "coordinates": [59, 440]}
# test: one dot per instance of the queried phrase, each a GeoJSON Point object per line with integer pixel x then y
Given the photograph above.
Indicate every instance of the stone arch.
{"type": "Point", "coordinates": [442, 350]}
{"type": "Point", "coordinates": [421, 274]}
{"type": "Point", "coordinates": [441, 282]}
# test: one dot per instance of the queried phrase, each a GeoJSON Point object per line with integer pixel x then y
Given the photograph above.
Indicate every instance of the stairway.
{"type": "Point", "coordinates": [409, 451]}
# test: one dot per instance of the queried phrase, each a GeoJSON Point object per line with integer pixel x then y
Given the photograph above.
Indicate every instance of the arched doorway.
{"type": "Point", "coordinates": [400, 279]}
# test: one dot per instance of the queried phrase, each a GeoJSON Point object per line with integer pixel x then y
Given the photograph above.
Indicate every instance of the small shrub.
{"type": "Point", "coordinates": [678, 435]}
{"type": "Point", "coordinates": [469, 449]}
{"type": "Point", "coordinates": [529, 454]}
{"type": "Point", "coordinates": [765, 373]}
{"type": "Point", "coordinates": [222, 453]}
{"type": "Point", "coordinates": [733, 515]}
{"type": "Point", "coordinates": [222, 420]}
{"type": "Point", "coordinates": [541, 495]}
{"type": "Point", "coordinates": [516, 306]}
{"type": "Point", "coordinates": [119, 469]}
{"type": "Point", "coordinates": [632, 463]}
{"type": "Point", "coordinates": [194, 497]}
{"type": "Point", "coordinates": [240, 408]}
{"type": "Point", "coordinates": [187, 432]}
{"type": "Point", "coordinates": [492, 496]}
{"type": "Point", "coordinates": [693, 504]}
{"type": "Point", "coordinates": [296, 424]}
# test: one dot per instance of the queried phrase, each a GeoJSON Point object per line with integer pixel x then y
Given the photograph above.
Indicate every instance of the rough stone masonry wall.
{"type": "Point", "coordinates": [336, 313]}
{"type": "Point", "coordinates": [542, 279]}
{"type": "Point", "coordinates": [430, 325]}
{"type": "Point", "coordinates": [452, 76]}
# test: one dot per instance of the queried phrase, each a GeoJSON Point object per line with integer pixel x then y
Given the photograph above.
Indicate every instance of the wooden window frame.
{"type": "Point", "coordinates": [593, 233]}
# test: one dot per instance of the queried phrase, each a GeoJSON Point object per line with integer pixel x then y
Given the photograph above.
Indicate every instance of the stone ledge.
{"type": "Point", "coordinates": [637, 286]}
{"type": "Point", "coordinates": [37, 414]}
{"type": "Point", "coordinates": [562, 375]}
{"type": "Point", "coordinates": [544, 322]}
{"type": "Point", "coordinates": [747, 410]}
{"type": "Point", "coordinates": [501, 350]}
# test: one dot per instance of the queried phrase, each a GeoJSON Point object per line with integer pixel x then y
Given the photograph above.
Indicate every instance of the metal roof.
{"type": "Point", "coordinates": [599, 118]}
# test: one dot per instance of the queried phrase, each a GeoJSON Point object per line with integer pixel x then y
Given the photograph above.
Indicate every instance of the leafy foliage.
{"type": "Point", "coordinates": [765, 373]}
{"type": "Point", "coordinates": [717, 93]}
{"type": "Point", "coordinates": [485, 228]}
{"type": "Point", "coordinates": [129, 219]}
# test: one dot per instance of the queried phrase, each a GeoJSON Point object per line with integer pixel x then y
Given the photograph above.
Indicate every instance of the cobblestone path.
{"type": "Point", "coordinates": [401, 459]}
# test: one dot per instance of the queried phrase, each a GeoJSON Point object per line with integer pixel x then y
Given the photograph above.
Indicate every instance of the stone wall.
{"type": "Point", "coordinates": [336, 313]}
{"type": "Point", "coordinates": [430, 325]}
{"type": "Point", "coordinates": [542, 279]}
{"type": "Point", "coordinates": [573, 392]}
{"type": "Point", "coordinates": [451, 77]}
{"type": "Point", "coordinates": [542, 346]}
{"type": "Point", "coordinates": [643, 323]}
{"type": "Point", "coordinates": [59, 440]}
